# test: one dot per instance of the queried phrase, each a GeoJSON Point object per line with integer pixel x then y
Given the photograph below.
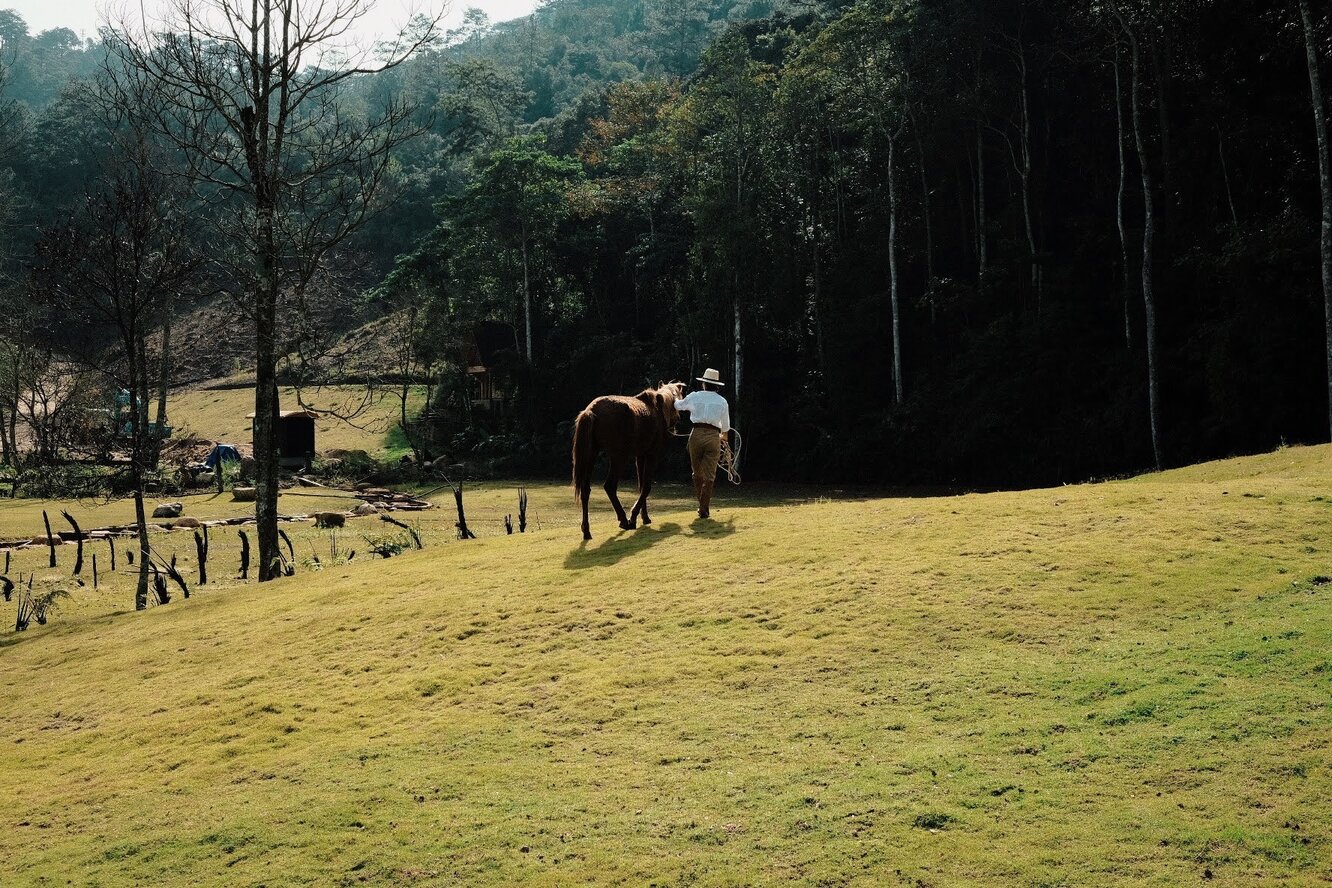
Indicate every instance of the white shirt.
{"type": "Point", "coordinates": [708, 408]}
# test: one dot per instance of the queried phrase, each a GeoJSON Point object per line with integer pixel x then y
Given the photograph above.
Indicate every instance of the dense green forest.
{"type": "Point", "coordinates": [926, 241]}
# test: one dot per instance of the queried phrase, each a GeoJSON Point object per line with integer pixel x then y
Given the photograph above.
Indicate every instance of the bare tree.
{"type": "Point", "coordinates": [254, 87]}
{"type": "Point", "coordinates": [123, 257]}
{"type": "Point", "coordinates": [926, 209]}
{"type": "Point", "coordinates": [1130, 28]}
{"type": "Point", "coordinates": [1021, 154]}
{"type": "Point", "coordinates": [1126, 279]}
{"type": "Point", "coordinates": [893, 289]}
{"type": "Point", "coordinates": [415, 361]}
{"type": "Point", "coordinates": [1324, 178]}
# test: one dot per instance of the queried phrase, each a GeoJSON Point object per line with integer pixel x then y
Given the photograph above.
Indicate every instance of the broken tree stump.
{"type": "Point", "coordinates": [201, 550]}
{"type": "Point", "coordinates": [78, 539]}
{"type": "Point", "coordinates": [50, 540]}
{"type": "Point", "coordinates": [463, 532]}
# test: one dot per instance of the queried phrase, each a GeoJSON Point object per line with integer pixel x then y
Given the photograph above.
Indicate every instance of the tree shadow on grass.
{"type": "Point", "coordinates": [620, 546]}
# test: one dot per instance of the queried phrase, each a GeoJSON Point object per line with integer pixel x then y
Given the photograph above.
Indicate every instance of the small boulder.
{"type": "Point", "coordinates": [47, 541]}
{"type": "Point", "coordinates": [243, 494]}
{"type": "Point", "coordinates": [169, 510]}
{"type": "Point", "coordinates": [365, 509]}
{"type": "Point", "coordinates": [187, 522]}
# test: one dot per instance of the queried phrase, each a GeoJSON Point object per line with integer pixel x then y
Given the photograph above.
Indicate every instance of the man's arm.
{"type": "Point", "coordinates": [726, 419]}
{"type": "Point", "coordinates": [683, 403]}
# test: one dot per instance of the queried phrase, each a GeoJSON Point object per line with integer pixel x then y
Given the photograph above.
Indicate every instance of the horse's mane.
{"type": "Point", "coordinates": [661, 400]}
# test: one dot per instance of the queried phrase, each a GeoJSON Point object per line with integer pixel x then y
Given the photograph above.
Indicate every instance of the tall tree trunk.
{"type": "Point", "coordinates": [1324, 181]}
{"type": "Point", "coordinates": [966, 243]}
{"type": "Point", "coordinates": [982, 242]}
{"type": "Point", "coordinates": [1225, 179]}
{"type": "Point", "coordinates": [1126, 279]}
{"type": "Point", "coordinates": [13, 423]}
{"type": "Point", "coordinates": [164, 378]}
{"type": "Point", "coordinates": [1148, 235]}
{"type": "Point", "coordinates": [138, 456]}
{"type": "Point", "coordinates": [527, 299]}
{"type": "Point", "coordinates": [739, 358]}
{"type": "Point", "coordinates": [925, 211]}
{"type": "Point", "coordinates": [1161, 70]}
{"type": "Point", "coordinates": [741, 147]}
{"type": "Point", "coordinates": [1025, 175]}
{"type": "Point", "coordinates": [816, 303]}
{"type": "Point", "coordinates": [816, 296]}
{"type": "Point", "coordinates": [6, 449]}
{"type": "Point", "coordinates": [141, 525]}
{"type": "Point", "coordinates": [266, 401]}
{"type": "Point", "coordinates": [892, 270]}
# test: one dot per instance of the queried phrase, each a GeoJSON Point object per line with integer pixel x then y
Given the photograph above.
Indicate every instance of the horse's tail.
{"type": "Point", "coordinates": [584, 452]}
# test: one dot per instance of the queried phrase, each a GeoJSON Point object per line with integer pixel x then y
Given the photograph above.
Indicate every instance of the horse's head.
{"type": "Point", "coordinates": [662, 400]}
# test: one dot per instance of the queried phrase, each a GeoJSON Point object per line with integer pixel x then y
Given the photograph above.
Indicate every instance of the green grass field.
{"type": "Point", "coordinates": [1114, 684]}
{"type": "Point", "coordinates": [360, 420]}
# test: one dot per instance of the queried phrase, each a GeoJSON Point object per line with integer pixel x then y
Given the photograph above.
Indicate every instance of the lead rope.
{"type": "Point", "coordinates": [730, 459]}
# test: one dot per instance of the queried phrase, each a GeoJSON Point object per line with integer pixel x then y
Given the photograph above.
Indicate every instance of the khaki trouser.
{"type": "Point", "coordinates": [704, 453]}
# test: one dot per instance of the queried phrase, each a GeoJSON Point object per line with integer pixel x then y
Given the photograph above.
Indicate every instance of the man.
{"type": "Point", "coordinates": [712, 424]}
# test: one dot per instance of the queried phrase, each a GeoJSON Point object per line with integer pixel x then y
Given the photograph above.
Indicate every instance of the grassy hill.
{"type": "Point", "coordinates": [1114, 684]}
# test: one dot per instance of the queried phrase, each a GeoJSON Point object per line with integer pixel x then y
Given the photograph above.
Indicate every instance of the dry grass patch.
{"type": "Point", "coordinates": [1109, 684]}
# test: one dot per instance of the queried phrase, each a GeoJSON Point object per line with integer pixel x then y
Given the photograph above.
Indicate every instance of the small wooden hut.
{"type": "Point", "coordinates": [489, 354]}
{"type": "Point", "coordinates": [295, 438]}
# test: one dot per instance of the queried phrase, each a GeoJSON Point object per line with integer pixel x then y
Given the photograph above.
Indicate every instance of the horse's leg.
{"type": "Point", "coordinates": [584, 493]}
{"type": "Point", "coordinates": [646, 467]}
{"type": "Point", "coordinates": [640, 504]}
{"type": "Point", "coordinates": [612, 485]}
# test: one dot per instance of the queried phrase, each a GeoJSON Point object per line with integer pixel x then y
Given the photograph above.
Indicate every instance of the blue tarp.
{"type": "Point", "coordinates": [222, 453]}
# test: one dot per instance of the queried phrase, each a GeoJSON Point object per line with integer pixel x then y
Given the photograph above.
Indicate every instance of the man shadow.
{"type": "Point", "coordinates": [710, 528]}
{"type": "Point", "coordinates": [620, 546]}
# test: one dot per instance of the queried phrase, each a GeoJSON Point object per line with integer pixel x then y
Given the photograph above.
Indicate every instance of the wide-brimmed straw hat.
{"type": "Point", "coordinates": [711, 376]}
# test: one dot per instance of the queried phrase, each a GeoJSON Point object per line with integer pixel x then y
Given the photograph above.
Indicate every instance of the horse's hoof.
{"type": "Point", "coordinates": [586, 536]}
{"type": "Point", "coordinates": [627, 525]}
{"type": "Point", "coordinates": [646, 521]}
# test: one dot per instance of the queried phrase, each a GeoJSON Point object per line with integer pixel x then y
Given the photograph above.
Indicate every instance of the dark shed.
{"type": "Point", "coordinates": [490, 354]}
{"type": "Point", "coordinates": [295, 438]}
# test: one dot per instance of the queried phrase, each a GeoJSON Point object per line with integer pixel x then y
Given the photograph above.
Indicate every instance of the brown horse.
{"type": "Point", "coordinates": [635, 427]}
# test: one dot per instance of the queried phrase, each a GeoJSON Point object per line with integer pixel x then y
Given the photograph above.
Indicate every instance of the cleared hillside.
{"type": "Point", "coordinates": [1125, 683]}
{"type": "Point", "coordinates": [355, 418]}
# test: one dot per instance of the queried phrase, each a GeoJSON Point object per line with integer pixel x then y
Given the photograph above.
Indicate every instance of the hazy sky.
{"type": "Point", "coordinates": [83, 16]}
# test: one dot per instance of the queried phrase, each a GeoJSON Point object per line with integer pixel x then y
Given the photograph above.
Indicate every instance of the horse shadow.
{"type": "Point", "coordinates": [620, 546]}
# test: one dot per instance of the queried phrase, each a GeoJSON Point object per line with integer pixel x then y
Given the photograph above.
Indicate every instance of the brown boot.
{"type": "Point", "coordinates": [704, 499]}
